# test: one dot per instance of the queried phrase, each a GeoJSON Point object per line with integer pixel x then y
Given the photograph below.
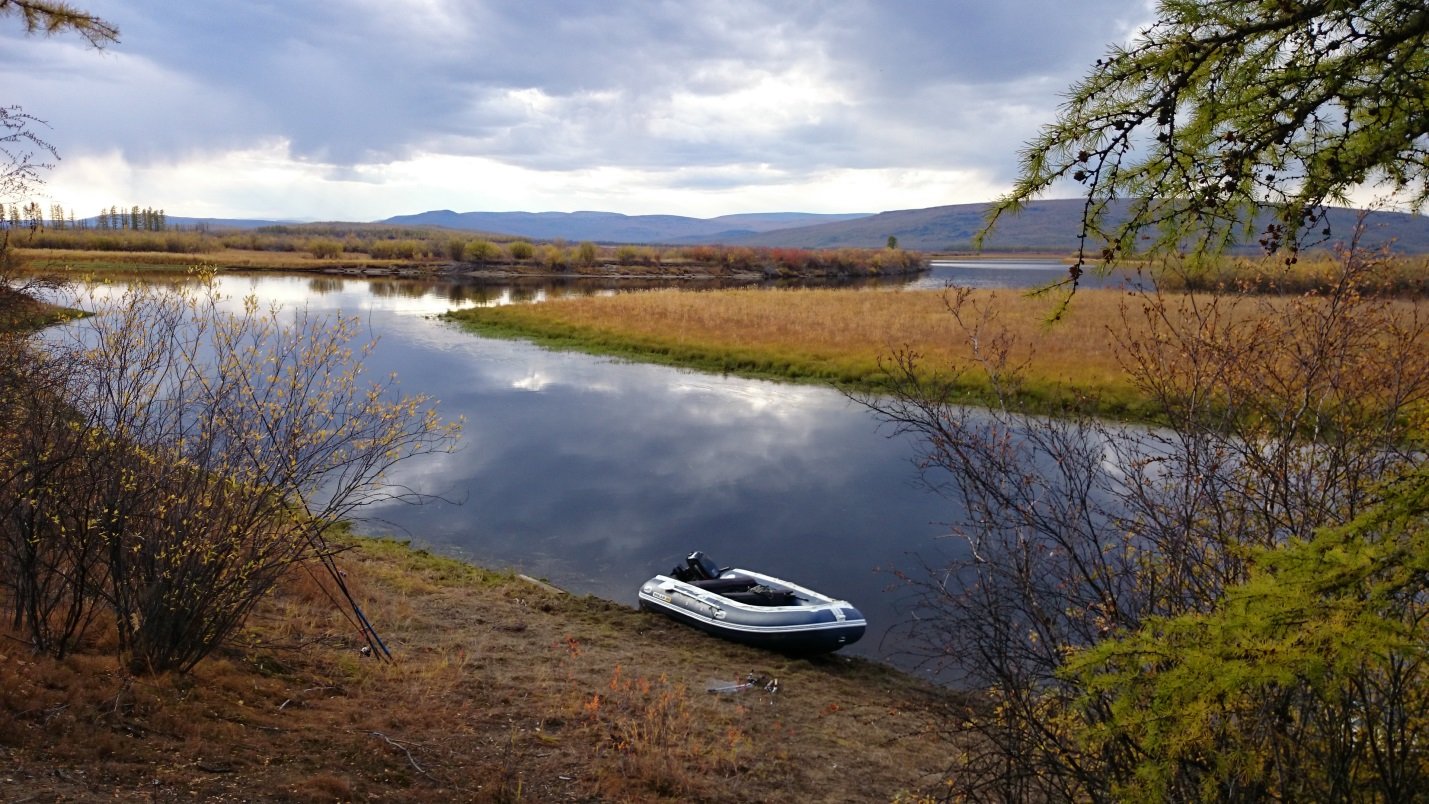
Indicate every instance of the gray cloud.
{"type": "Point", "coordinates": [800, 87]}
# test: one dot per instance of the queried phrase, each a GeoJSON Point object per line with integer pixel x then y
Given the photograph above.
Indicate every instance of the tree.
{"type": "Point", "coordinates": [48, 18]}
{"type": "Point", "coordinates": [1280, 418]}
{"type": "Point", "coordinates": [18, 141]}
{"type": "Point", "coordinates": [1228, 114]}
{"type": "Point", "coordinates": [19, 148]}
{"type": "Point", "coordinates": [1320, 650]}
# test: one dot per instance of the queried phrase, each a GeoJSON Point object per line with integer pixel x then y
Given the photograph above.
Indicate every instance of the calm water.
{"type": "Point", "coordinates": [595, 474]}
{"type": "Point", "coordinates": [1012, 273]}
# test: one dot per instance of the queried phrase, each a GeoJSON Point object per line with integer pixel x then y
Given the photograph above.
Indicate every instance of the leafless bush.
{"type": "Point", "coordinates": [203, 453]}
{"type": "Point", "coordinates": [1280, 416]}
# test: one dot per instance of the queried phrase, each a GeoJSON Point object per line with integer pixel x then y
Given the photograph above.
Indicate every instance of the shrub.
{"type": "Point", "coordinates": [191, 457]}
{"type": "Point", "coordinates": [585, 254]}
{"type": "Point", "coordinates": [323, 247]}
{"type": "Point", "coordinates": [555, 257]}
{"type": "Point", "coordinates": [479, 251]}
{"type": "Point", "coordinates": [396, 249]}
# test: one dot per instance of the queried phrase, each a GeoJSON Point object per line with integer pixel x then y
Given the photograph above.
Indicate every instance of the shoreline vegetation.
{"type": "Point", "coordinates": [853, 338]}
{"type": "Point", "coordinates": [385, 250]}
{"type": "Point", "coordinates": [845, 338]}
{"type": "Point", "coordinates": [814, 335]}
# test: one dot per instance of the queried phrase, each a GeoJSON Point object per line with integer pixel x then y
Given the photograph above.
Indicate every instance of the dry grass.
{"type": "Point", "coordinates": [847, 337]}
{"type": "Point", "coordinates": [842, 336]}
{"type": "Point", "coordinates": [501, 691]}
{"type": "Point", "coordinates": [81, 261]}
{"type": "Point", "coordinates": [1402, 275]}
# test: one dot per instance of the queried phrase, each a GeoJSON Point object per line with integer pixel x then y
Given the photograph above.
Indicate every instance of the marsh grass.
{"type": "Point", "coordinates": [844, 337]}
{"type": "Point", "coordinates": [491, 697]}
{"type": "Point", "coordinates": [1317, 272]}
{"type": "Point", "coordinates": [848, 337]}
{"type": "Point", "coordinates": [147, 262]}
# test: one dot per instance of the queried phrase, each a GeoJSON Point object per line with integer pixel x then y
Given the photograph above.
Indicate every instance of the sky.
{"type": "Point", "coordinates": [358, 110]}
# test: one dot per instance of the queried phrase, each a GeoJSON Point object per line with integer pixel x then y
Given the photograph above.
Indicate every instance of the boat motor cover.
{"type": "Point", "coordinates": [698, 567]}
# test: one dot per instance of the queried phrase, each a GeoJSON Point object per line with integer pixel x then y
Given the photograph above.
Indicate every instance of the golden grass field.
{"type": "Point", "coordinates": [848, 337]}
{"type": "Point", "coordinates": [78, 261]}
{"type": "Point", "coordinates": [831, 335]}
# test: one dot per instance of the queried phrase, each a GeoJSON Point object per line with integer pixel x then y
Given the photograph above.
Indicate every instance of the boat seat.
{"type": "Point", "coordinates": [724, 586]}
{"type": "Point", "coordinates": [763, 596]}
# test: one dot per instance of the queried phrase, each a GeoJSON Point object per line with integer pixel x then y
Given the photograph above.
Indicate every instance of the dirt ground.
{"type": "Point", "coordinates": [501, 690]}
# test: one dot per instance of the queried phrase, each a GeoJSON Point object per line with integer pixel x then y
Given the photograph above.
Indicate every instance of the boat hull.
{"type": "Point", "coordinates": [813, 623]}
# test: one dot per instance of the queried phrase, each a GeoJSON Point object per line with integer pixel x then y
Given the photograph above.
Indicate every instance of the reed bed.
{"type": "Point", "coordinates": [850, 337]}
{"type": "Point", "coordinates": [846, 337]}
{"type": "Point", "coordinates": [39, 260]}
{"type": "Point", "coordinates": [1398, 275]}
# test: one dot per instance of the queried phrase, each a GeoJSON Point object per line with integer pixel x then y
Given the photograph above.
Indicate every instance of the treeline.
{"type": "Point", "coordinates": [34, 216]}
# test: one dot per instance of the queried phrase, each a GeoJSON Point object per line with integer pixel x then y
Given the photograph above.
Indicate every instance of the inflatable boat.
{"type": "Point", "coordinates": [752, 608]}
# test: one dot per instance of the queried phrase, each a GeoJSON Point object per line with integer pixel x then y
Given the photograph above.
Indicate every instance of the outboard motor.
{"type": "Point", "coordinates": [704, 566]}
{"type": "Point", "coordinates": [698, 567]}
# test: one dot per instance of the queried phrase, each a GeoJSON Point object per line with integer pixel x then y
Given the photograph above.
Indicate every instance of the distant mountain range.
{"type": "Point", "coordinates": [1047, 226]}
{"type": "Point", "coordinates": [612, 227]}
{"type": "Point", "coordinates": [1043, 226]}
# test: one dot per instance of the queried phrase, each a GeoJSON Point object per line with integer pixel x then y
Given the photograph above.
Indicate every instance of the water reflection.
{"type": "Point", "coordinates": [460, 291]}
{"type": "Point", "coordinates": [596, 473]}
{"type": "Point", "coordinates": [1016, 273]}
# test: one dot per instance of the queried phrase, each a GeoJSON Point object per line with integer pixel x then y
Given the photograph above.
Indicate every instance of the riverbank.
{"type": "Point", "coordinates": [843, 337]}
{"type": "Point", "coordinates": [501, 689]}
{"type": "Point", "coordinates": [461, 256]}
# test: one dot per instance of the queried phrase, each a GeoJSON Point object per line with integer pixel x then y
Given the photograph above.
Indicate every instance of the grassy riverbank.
{"type": "Point", "coordinates": [837, 336]}
{"type": "Point", "coordinates": [376, 249]}
{"type": "Point", "coordinates": [501, 690]}
{"type": "Point", "coordinates": [847, 337]}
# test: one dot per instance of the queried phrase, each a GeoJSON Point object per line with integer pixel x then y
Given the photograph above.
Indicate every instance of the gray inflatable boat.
{"type": "Point", "coordinates": [752, 608]}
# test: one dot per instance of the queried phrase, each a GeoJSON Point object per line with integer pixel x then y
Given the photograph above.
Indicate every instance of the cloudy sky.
{"type": "Point", "coordinates": [363, 109]}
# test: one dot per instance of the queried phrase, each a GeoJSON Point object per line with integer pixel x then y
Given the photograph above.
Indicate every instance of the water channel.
{"type": "Point", "coordinates": [595, 474]}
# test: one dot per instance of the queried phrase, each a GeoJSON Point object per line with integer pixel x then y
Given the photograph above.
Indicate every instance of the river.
{"type": "Point", "coordinates": [595, 473]}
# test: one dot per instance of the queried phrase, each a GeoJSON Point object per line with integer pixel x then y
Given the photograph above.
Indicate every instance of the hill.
{"type": "Point", "coordinates": [1050, 225]}
{"type": "Point", "coordinates": [613, 227]}
{"type": "Point", "coordinates": [1044, 226]}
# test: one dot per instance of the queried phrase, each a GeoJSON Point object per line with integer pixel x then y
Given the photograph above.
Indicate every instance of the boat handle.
{"type": "Point", "coordinates": [715, 611]}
